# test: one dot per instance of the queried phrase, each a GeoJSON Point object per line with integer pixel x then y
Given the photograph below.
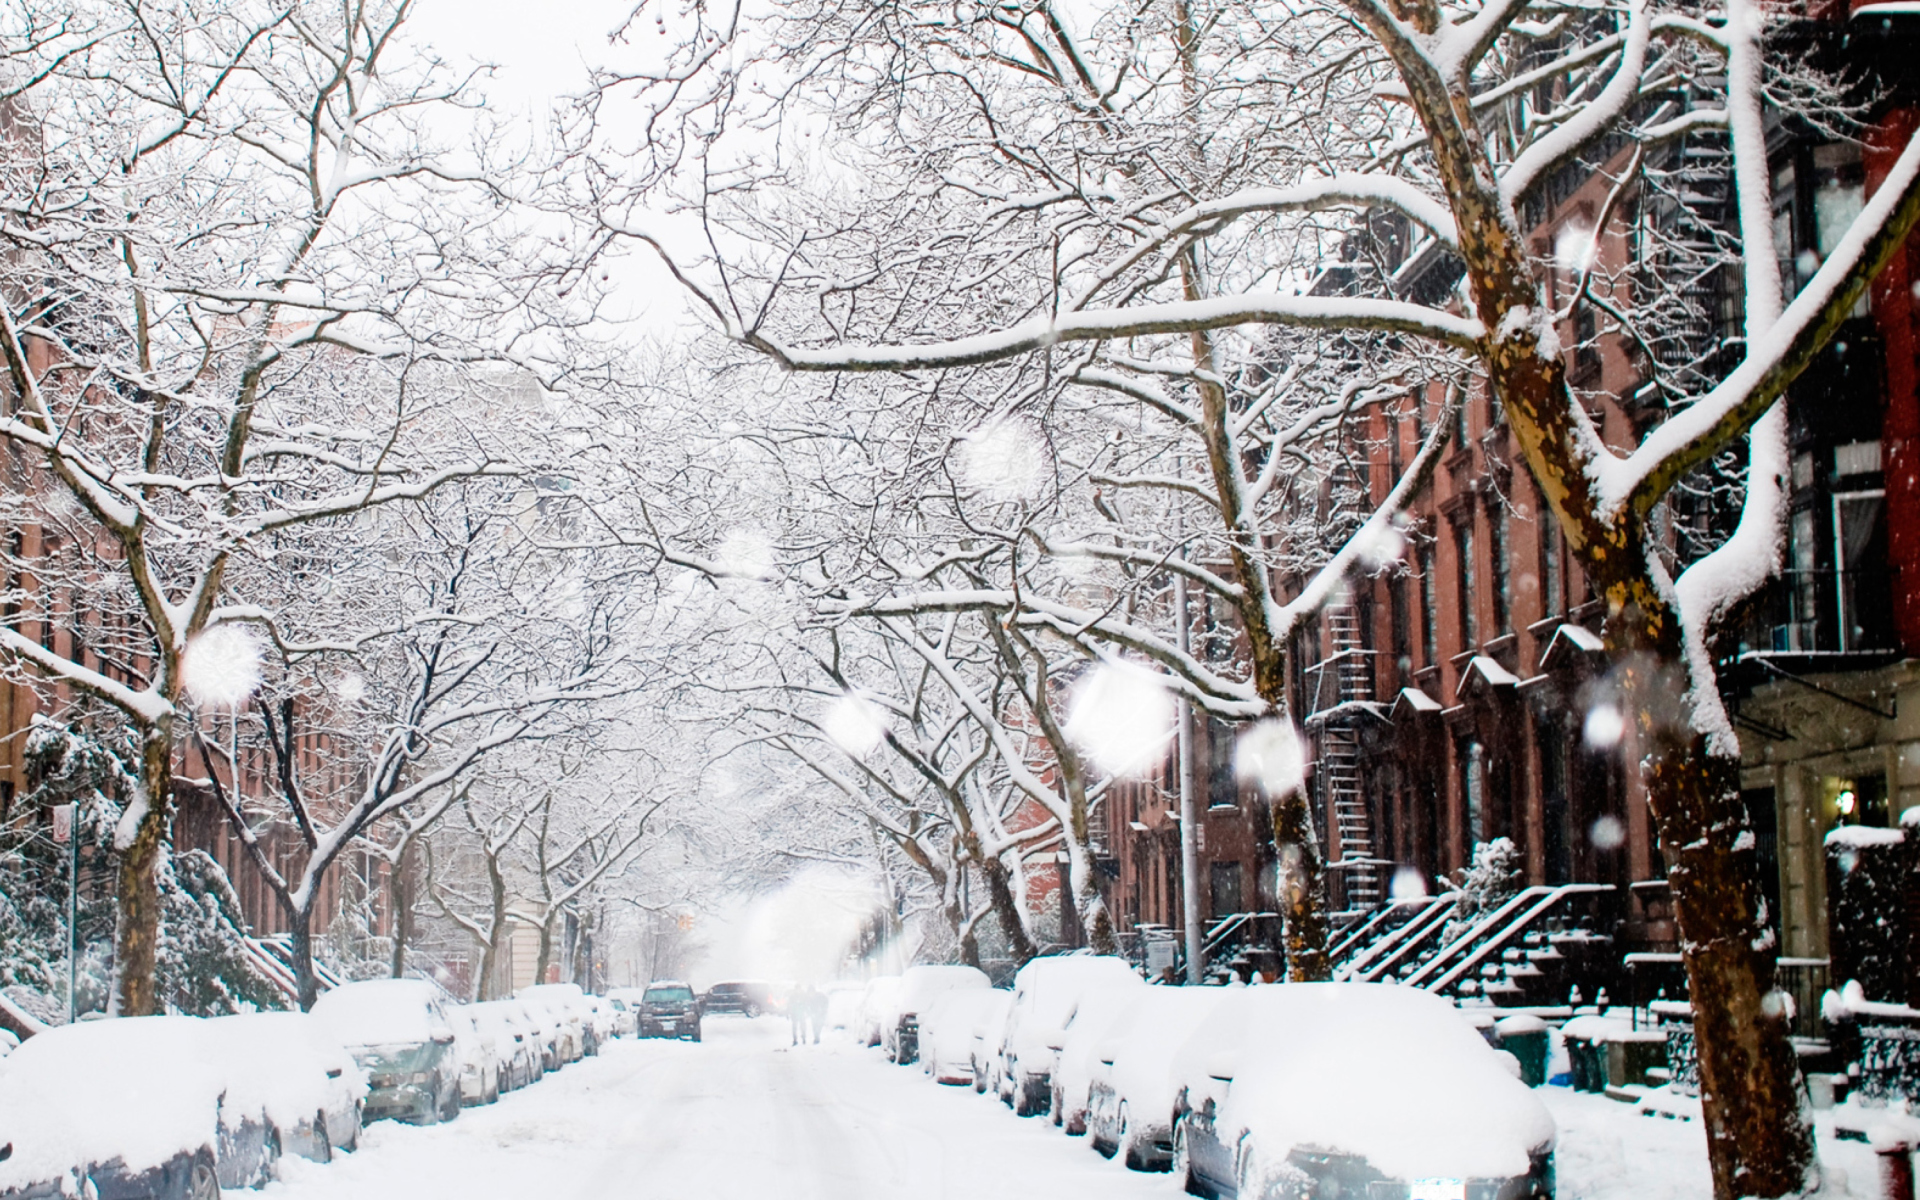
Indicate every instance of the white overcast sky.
{"type": "Point", "coordinates": [541, 48]}
{"type": "Point", "coordinates": [541, 51]}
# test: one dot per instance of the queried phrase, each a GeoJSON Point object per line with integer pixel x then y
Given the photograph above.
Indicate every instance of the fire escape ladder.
{"type": "Point", "coordinates": [1351, 670]}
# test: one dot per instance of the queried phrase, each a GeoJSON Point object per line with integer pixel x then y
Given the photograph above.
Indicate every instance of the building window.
{"type": "Point", "coordinates": [1463, 579]}
{"type": "Point", "coordinates": [1553, 598]}
{"type": "Point", "coordinates": [1223, 879]}
{"type": "Point", "coordinates": [1497, 533]}
{"type": "Point", "coordinates": [1427, 622]}
{"type": "Point", "coordinates": [1222, 790]}
{"type": "Point", "coordinates": [1402, 629]}
{"type": "Point", "coordinates": [1474, 785]}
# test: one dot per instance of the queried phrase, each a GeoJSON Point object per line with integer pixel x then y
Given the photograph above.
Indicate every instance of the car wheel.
{"type": "Point", "coordinates": [270, 1150]}
{"type": "Point", "coordinates": [492, 1094]}
{"type": "Point", "coordinates": [203, 1181]}
{"type": "Point", "coordinates": [1183, 1162]}
{"type": "Point", "coordinates": [451, 1108]}
{"type": "Point", "coordinates": [323, 1143]}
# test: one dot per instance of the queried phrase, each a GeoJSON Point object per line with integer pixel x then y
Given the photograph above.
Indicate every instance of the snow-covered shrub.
{"type": "Point", "coordinates": [203, 967]}
{"type": "Point", "coordinates": [1492, 879]}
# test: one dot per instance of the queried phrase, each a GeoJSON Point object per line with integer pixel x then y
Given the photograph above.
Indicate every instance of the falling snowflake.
{"type": "Point", "coordinates": [1408, 884]}
{"type": "Point", "coordinates": [1004, 460]}
{"type": "Point", "coordinates": [221, 667]}
{"type": "Point", "coordinates": [1122, 718]}
{"type": "Point", "coordinates": [746, 554]}
{"type": "Point", "coordinates": [1271, 757]}
{"type": "Point", "coordinates": [1573, 249]}
{"type": "Point", "coordinates": [1609, 833]}
{"type": "Point", "coordinates": [351, 689]}
{"type": "Point", "coordinates": [1604, 727]}
{"type": "Point", "coordinates": [856, 725]}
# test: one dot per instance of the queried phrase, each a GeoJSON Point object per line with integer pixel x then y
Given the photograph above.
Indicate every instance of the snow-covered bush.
{"type": "Point", "coordinates": [203, 969]}
{"type": "Point", "coordinates": [1489, 881]}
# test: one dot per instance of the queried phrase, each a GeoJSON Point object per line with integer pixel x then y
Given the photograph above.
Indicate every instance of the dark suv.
{"type": "Point", "coordinates": [669, 1009]}
{"type": "Point", "coordinates": [749, 998]}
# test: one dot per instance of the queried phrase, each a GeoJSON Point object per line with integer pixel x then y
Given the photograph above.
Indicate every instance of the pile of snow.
{"type": "Point", "coordinates": [920, 985]}
{"type": "Point", "coordinates": [877, 1003]}
{"type": "Point", "coordinates": [1387, 1073]}
{"type": "Point", "coordinates": [139, 1089]}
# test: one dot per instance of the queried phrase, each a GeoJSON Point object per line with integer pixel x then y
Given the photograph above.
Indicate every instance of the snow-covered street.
{"type": "Point", "coordinates": [745, 1115]}
{"type": "Point", "coordinates": [739, 1115]}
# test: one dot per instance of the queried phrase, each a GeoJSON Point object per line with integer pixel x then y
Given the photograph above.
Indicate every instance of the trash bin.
{"type": "Point", "coordinates": [1525, 1037]}
{"type": "Point", "coordinates": [1588, 1061]}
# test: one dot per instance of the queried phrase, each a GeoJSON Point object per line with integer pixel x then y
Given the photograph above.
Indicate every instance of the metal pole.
{"type": "Point", "coordinates": [1189, 819]}
{"type": "Point", "coordinates": [73, 913]}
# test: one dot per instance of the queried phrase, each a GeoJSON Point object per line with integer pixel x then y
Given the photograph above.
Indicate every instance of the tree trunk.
{"type": "Point", "coordinates": [546, 948]}
{"type": "Point", "coordinates": [1759, 1135]}
{"type": "Point", "coordinates": [1303, 888]}
{"type": "Point", "coordinates": [137, 885]}
{"type": "Point", "coordinates": [300, 925]}
{"type": "Point", "coordinates": [400, 892]}
{"type": "Point", "coordinates": [1000, 888]}
{"type": "Point", "coordinates": [490, 948]}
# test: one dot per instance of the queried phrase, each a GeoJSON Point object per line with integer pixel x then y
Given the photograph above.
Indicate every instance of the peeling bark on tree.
{"type": "Point", "coordinates": [137, 883]}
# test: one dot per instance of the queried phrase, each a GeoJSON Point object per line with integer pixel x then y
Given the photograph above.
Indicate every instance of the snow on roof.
{"type": "Point", "coordinates": [1390, 1073]}
{"type": "Point", "coordinates": [1144, 1050]}
{"type": "Point", "coordinates": [1492, 671]}
{"type": "Point", "coordinates": [1418, 700]}
{"type": "Point", "coordinates": [1609, 1029]}
{"type": "Point", "coordinates": [1859, 836]}
{"type": "Point", "coordinates": [1048, 990]}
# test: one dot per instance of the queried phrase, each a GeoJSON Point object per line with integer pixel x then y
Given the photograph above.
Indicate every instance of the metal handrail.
{"type": "Point", "coordinates": [1369, 965]}
{"type": "Point", "coordinates": [1364, 933]}
{"type": "Point", "coordinates": [1496, 941]}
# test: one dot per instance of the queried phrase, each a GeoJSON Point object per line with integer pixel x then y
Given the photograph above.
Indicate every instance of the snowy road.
{"type": "Point", "coordinates": [742, 1115]}
{"type": "Point", "coordinates": [739, 1115]}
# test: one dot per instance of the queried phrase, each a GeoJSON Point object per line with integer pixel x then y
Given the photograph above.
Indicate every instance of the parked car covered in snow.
{"type": "Point", "coordinates": [298, 1074]}
{"type": "Point", "coordinates": [397, 1030]}
{"type": "Point", "coordinates": [843, 1004]}
{"type": "Point", "coordinates": [516, 1042]}
{"type": "Point", "coordinates": [129, 1108]}
{"type": "Point", "coordinates": [989, 1033]}
{"type": "Point", "coordinates": [1131, 1093]}
{"type": "Point", "coordinates": [876, 1005]}
{"type": "Point", "coordinates": [479, 1056]}
{"type": "Point", "coordinates": [668, 1008]}
{"type": "Point", "coordinates": [947, 1026]}
{"type": "Point", "coordinates": [1046, 994]}
{"type": "Point", "coordinates": [742, 997]}
{"type": "Point", "coordinates": [558, 1005]}
{"type": "Point", "coordinates": [625, 1005]}
{"type": "Point", "coordinates": [1101, 1010]}
{"type": "Point", "coordinates": [1317, 1089]}
{"type": "Point", "coordinates": [919, 986]}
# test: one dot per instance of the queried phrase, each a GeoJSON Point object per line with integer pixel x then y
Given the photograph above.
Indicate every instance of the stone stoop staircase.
{"type": "Point", "coordinates": [1532, 951]}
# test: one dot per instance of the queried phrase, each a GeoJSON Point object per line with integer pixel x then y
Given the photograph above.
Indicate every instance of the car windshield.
{"type": "Point", "coordinates": [398, 1060]}
{"type": "Point", "coordinates": [669, 995]}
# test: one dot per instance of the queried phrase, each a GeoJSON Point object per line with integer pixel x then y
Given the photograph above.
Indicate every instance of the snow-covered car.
{"type": "Point", "coordinates": [989, 1033]}
{"type": "Point", "coordinates": [1317, 1089]}
{"type": "Point", "coordinates": [919, 986]}
{"type": "Point", "coordinates": [479, 1049]}
{"type": "Point", "coordinates": [606, 1021]}
{"type": "Point", "coordinates": [744, 997]}
{"type": "Point", "coordinates": [128, 1108]}
{"type": "Point", "coordinates": [947, 1026]}
{"type": "Point", "coordinates": [542, 1029]}
{"type": "Point", "coordinates": [557, 1005]}
{"type": "Point", "coordinates": [296, 1072]}
{"type": "Point", "coordinates": [668, 1008]}
{"type": "Point", "coordinates": [8, 1042]}
{"type": "Point", "coordinates": [1131, 1094]}
{"type": "Point", "coordinates": [516, 1047]}
{"type": "Point", "coordinates": [397, 1030]}
{"type": "Point", "coordinates": [1046, 993]}
{"type": "Point", "coordinates": [876, 1005]}
{"type": "Point", "coordinates": [625, 1004]}
{"type": "Point", "coordinates": [843, 1004]}
{"type": "Point", "coordinates": [1101, 1010]}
